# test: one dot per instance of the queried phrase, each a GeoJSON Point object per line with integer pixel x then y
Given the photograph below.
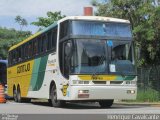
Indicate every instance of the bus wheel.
{"type": "Point", "coordinates": [19, 99]}
{"type": "Point", "coordinates": [53, 100]}
{"type": "Point", "coordinates": [106, 103]}
{"type": "Point", "coordinates": [14, 94]}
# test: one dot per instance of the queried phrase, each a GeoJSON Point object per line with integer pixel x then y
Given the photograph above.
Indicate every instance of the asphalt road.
{"type": "Point", "coordinates": [40, 110]}
{"type": "Point", "coordinates": [76, 108]}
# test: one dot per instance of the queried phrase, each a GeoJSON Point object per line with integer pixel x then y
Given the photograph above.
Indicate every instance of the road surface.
{"type": "Point", "coordinates": [76, 108]}
{"type": "Point", "coordinates": [72, 111]}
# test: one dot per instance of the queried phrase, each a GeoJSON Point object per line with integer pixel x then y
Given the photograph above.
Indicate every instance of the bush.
{"type": "Point", "coordinates": [148, 95]}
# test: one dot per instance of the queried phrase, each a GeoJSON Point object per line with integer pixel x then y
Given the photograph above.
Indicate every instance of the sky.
{"type": "Point", "coordinates": [32, 9]}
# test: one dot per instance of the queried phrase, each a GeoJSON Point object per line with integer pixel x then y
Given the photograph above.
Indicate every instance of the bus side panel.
{"type": "Point", "coordinates": [49, 67]}
{"type": "Point", "coordinates": [20, 75]}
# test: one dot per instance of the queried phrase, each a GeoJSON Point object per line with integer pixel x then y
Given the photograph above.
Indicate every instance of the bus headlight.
{"type": "Point", "coordinates": [131, 91]}
{"type": "Point", "coordinates": [83, 94]}
{"type": "Point", "coordinates": [83, 91]}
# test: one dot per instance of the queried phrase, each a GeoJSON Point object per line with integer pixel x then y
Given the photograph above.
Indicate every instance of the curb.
{"type": "Point", "coordinates": [138, 104]}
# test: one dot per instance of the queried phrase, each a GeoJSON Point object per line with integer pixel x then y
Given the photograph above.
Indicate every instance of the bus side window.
{"type": "Point", "coordinates": [10, 58]}
{"type": "Point", "coordinates": [30, 46]}
{"type": "Point", "coordinates": [13, 57]}
{"type": "Point", "coordinates": [16, 56]}
{"type": "Point", "coordinates": [54, 39]}
{"type": "Point", "coordinates": [26, 50]}
{"type": "Point", "coordinates": [64, 29]}
{"type": "Point", "coordinates": [23, 52]}
{"type": "Point", "coordinates": [35, 47]}
{"type": "Point", "coordinates": [49, 40]}
{"type": "Point", "coordinates": [44, 39]}
{"type": "Point", "coordinates": [19, 54]}
{"type": "Point", "coordinates": [41, 44]}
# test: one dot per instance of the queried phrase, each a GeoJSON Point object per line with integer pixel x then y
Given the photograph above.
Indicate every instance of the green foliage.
{"type": "Point", "coordinates": [145, 21]}
{"type": "Point", "coordinates": [10, 37]}
{"type": "Point", "coordinates": [51, 18]}
{"type": "Point", "coordinates": [149, 95]}
{"type": "Point", "coordinates": [21, 21]}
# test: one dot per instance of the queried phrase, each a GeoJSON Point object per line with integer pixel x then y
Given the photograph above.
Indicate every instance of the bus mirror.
{"type": "Point", "coordinates": [68, 48]}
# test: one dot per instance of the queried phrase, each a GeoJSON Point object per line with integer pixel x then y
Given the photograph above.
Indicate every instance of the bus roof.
{"type": "Point", "coordinates": [91, 18]}
{"type": "Point", "coordinates": [94, 18]}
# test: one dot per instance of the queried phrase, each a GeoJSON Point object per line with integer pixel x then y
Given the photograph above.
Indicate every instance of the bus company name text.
{"type": "Point", "coordinates": [23, 68]}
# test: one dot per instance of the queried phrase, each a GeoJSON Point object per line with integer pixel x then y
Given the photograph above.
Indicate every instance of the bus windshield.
{"type": "Point", "coordinates": [96, 28]}
{"type": "Point", "coordinates": [102, 57]}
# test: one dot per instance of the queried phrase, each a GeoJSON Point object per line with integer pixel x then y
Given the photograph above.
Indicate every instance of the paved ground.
{"type": "Point", "coordinates": [77, 108]}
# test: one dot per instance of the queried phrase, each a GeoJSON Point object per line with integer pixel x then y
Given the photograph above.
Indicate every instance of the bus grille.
{"type": "Point", "coordinates": [99, 82]}
{"type": "Point", "coordinates": [116, 82]}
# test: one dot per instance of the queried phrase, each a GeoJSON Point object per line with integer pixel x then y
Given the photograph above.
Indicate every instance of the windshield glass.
{"type": "Point", "coordinates": [91, 57]}
{"type": "Point", "coordinates": [96, 28]}
{"type": "Point", "coordinates": [102, 57]}
{"type": "Point", "coordinates": [120, 57]}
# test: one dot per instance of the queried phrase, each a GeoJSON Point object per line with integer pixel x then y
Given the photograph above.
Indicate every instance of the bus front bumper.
{"type": "Point", "coordinates": [102, 92]}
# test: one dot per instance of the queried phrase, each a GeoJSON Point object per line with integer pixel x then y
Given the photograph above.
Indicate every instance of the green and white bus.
{"type": "Point", "coordinates": [79, 58]}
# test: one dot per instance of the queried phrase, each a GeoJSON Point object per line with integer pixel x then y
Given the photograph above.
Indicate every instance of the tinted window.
{"type": "Point", "coordinates": [35, 47]}
{"type": "Point", "coordinates": [49, 40]}
{"type": "Point", "coordinates": [54, 39]}
{"type": "Point", "coordinates": [64, 29]}
{"type": "Point", "coordinates": [101, 29]}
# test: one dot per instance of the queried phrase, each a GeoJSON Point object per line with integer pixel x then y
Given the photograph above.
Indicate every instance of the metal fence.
{"type": "Point", "coordinates": [149, 78]}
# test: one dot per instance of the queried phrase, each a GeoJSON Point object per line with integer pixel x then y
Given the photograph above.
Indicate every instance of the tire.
{"type": "Point", "coordinates": [50, 102]}
{"type": "Point", "coordinates": [106, 103]}
{"type": "Point", "coordinates": [53, 98]}
{"type": "Point", "coordinates": [14, 94]}
{"type": "Point", "coordinates": [19, 99]}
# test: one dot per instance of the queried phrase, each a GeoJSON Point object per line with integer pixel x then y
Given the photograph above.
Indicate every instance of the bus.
{"type": "Point", "coordinates": [78, 58]}
{"type": "Point", "coordinates": [3, 72]}
{"type": "Point", "coordinates": [3, 75]}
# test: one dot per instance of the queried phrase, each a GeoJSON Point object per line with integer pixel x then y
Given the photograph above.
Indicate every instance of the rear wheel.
{"type": "Point", "coordinates": [106, 103]}
{"type": "Point", "coordinates": [14, 94]}
{"type": "Point", "coordinates": [19, 99]}
{"type": "Point", "coordinates": [54, 102]}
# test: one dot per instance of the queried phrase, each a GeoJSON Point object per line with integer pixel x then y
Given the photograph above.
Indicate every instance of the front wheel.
{"type": "Point", "coordinates": [54, 102]}
{"type": "Point", "coordinates": [106, 103]}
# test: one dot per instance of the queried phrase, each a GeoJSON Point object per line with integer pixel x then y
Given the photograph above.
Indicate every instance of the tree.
{"type": "Point", "coordinates": [51, 18]}
{"type": "Point", "coordinates": [21, 21]}
{"type": "Point", "coordinates": [8, 38]}
{"type": "Point", "coordinates": [145, 21]}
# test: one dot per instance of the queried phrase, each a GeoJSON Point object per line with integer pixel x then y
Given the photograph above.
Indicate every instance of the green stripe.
{"type": "Point", "coordinates": [35, 73]}
{"type": "Point", "coordinates": [125, 77]}
{"type": "Point", "coordinates": [42, 69]}
{"type": "Point", "coordinates": [129, 77]}
{"type": "Point", "coordinates": [38, 73]}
